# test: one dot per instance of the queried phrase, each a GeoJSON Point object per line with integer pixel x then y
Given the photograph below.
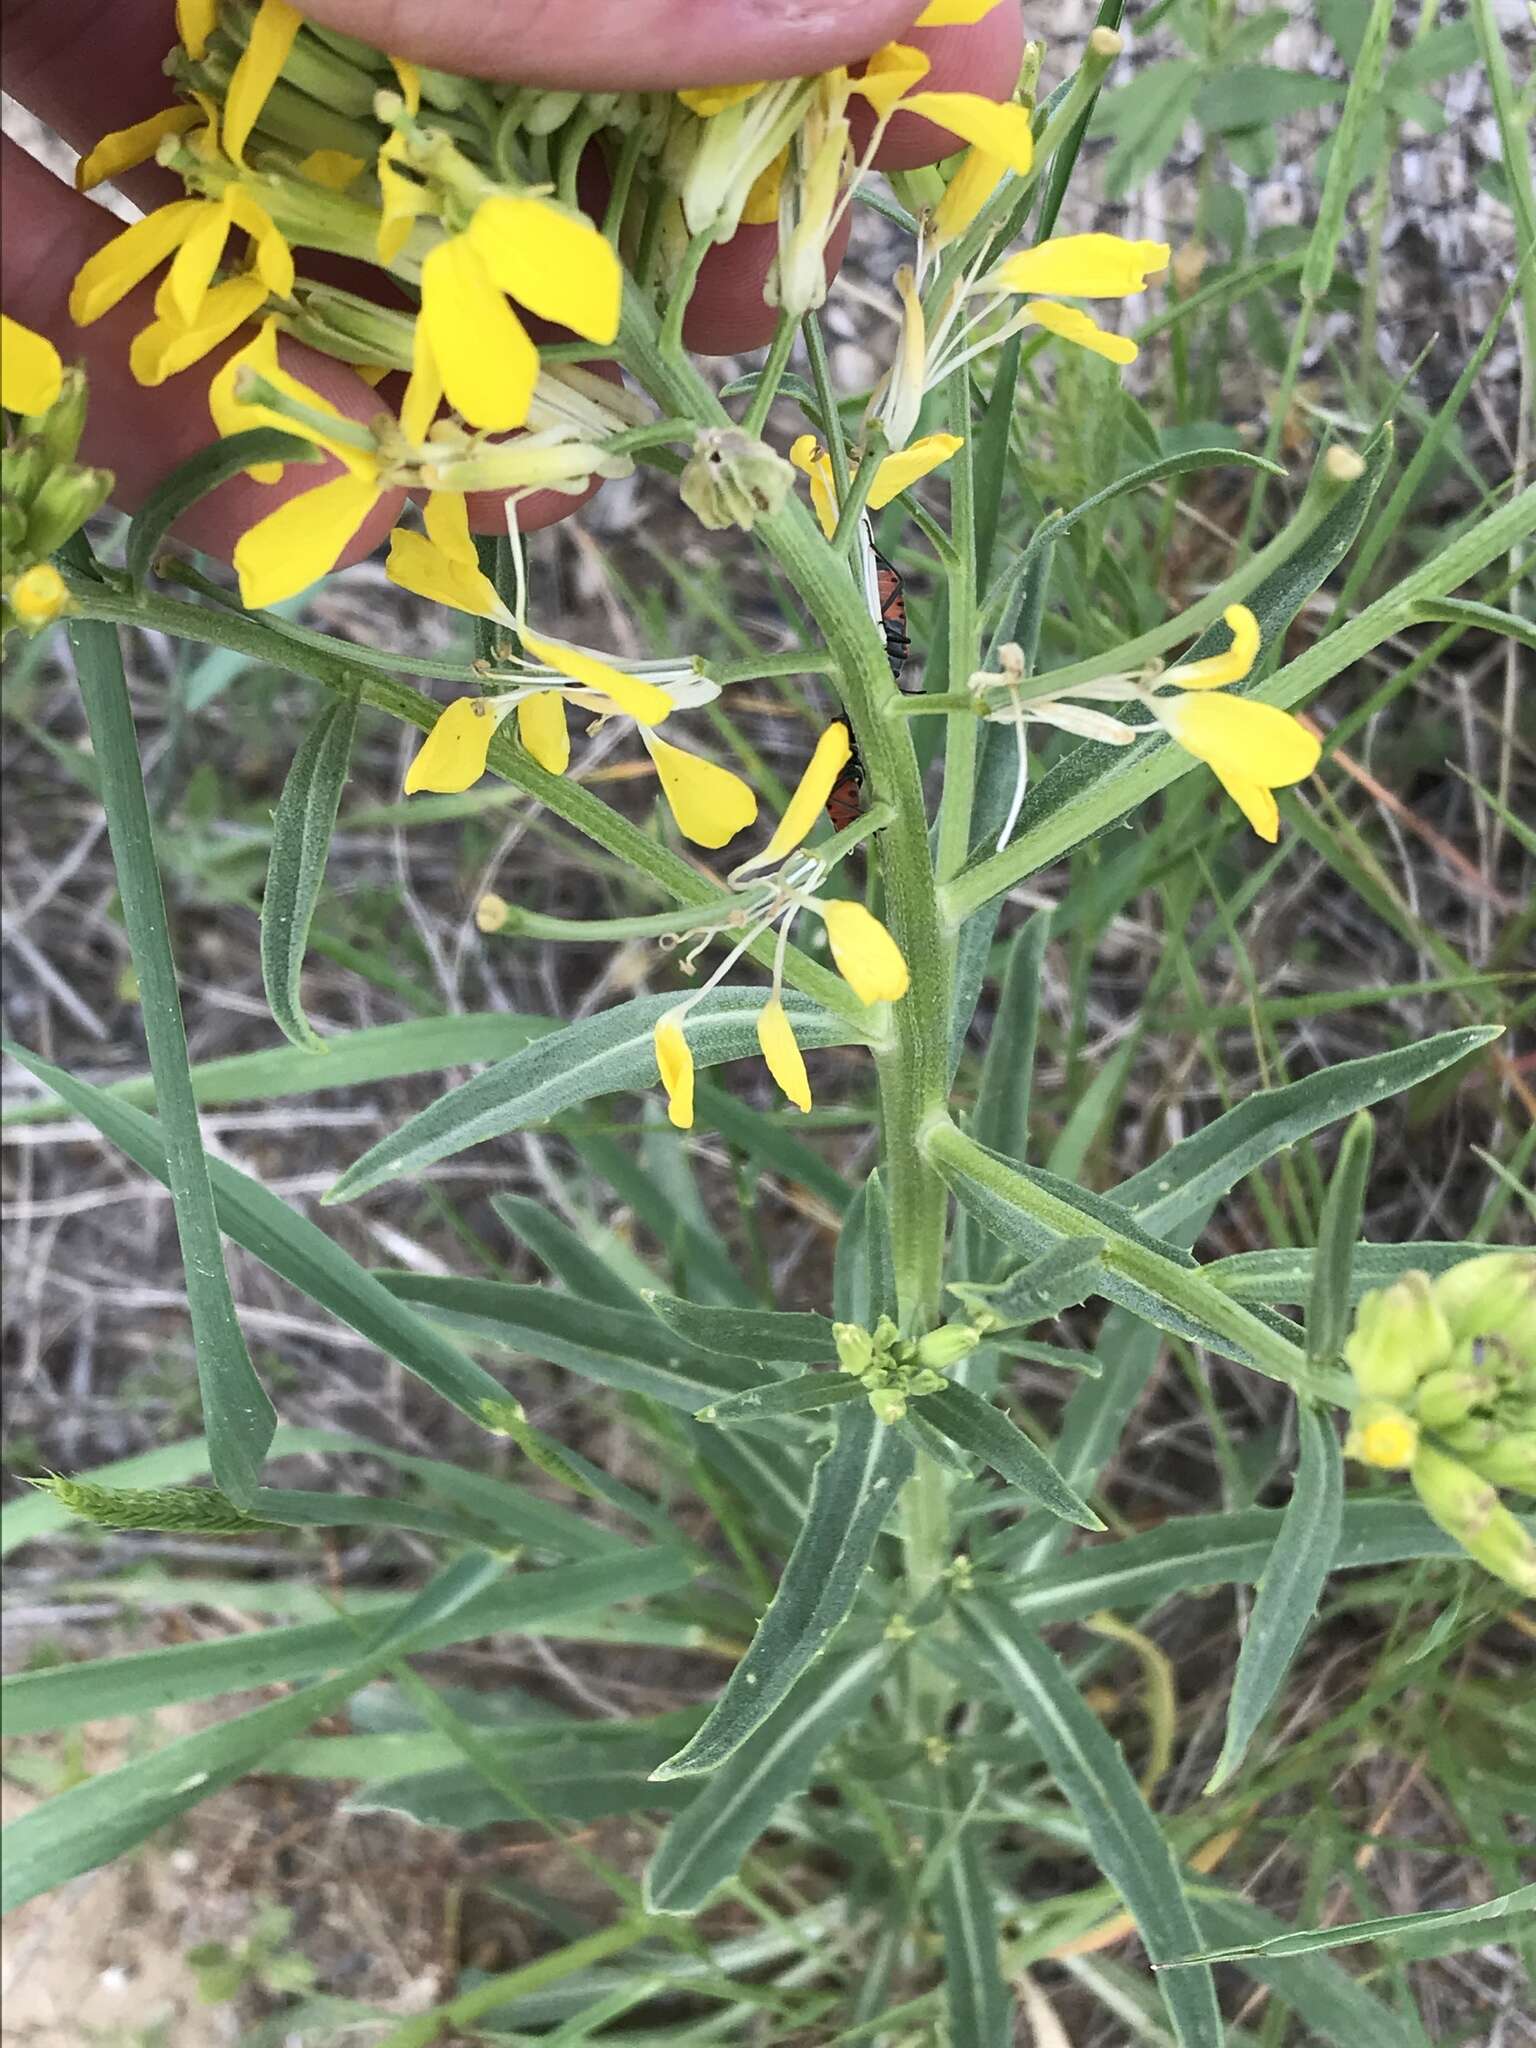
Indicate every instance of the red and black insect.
{"type": "Point", "coordinates": [845, 800]}
{"type": "Point", "coordinates": [891, 598]}
{"type": "Point", "coordinates": [888, 608]}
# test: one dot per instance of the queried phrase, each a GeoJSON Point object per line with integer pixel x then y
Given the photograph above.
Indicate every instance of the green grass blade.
{"type": "Point", "coordinates": [1290, 1587]}
{"type": "Point", "coordinates": [1332, 2005]}
{"type": "Point", "coordinates": [853, 1490]}
{"type": "Point", "coordinates": [602, 1055]}
{"type": "Point", "coordinates": [237, 1412]}
{"type": "Point", "coordinates": [705, 1846]}
{"type": "Point", "coordinates": [301, 839]}
{"type": "Point", "coordinates": [1087, 1764]}
{"type": "Point", "coordinates": [976, 1426]}
{"type": "Point", "coordinates": [1328, 1302]}
{"type": "Point", "coordinates": [1392, 1927]}
{"type": "Point", "coordinates": [976, 1996]}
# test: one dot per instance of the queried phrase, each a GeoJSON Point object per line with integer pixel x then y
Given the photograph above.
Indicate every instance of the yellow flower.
{"type": "Point", "coordinates": [966, 194]}
{"type": "Point", "coordinates": [554, 262]}
{"type": "Point", "coordinates": [896, 473]}
{"type": "Point", "coordinates": [38, 596]}
{"type": "Point", "coordinates": [1383, 1436]}
{"type": "Point", "coordinates": [125, 148]}
{"type": "Point", "coordinates": [260, 66]}
{"type": "Point", "coordinates": [1000, 127]}
{"type": "Point", "coordinates": [1095, 266]}
{"type": "Point", "coordinates": [31, 374]}
{"type": "Point", "coordinates": [867, 957]}
{"type": "Point", "coordinates": [674, 1064]}
{"type": "Point", "coordinates": [196, 21]}
{"type": "Point", "coordinates": [401, 198]}
{"type": "Point", "coordinates": [781, 1051]}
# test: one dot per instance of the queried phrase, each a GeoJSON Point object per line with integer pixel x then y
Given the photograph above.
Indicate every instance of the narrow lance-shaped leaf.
{"type": "Point", "coordinates": [1000, 1120]}
{"type": "Point", "coordinates": [854, 1488]}
{"type": "Point", "coordinates": [705, 1846]}
{"type": "Point", "coordinates": [1040, 1287]}
{"type": "Point", "coordinates": [1332, 2005]}
{"type": "Point", "coordinates": [600, 1055]}
{"type": "Point", "coordinates": [793, 1337]}
{"type": "Point", "coordinates": [301, 839]}
{"type": "Point", "coordinates": [1289, 1588]}
{"type": "Point", "coordinates": [975, 1994]}
{"type": "Point", "coordinates": [237, 1412]}
{"type": "Point", "coordinates": [1087, 1764]}
{"type": "Point", "coordinates": [1287, 1275]}
{"type": "Point", "coordinates": [1328, 1302]}
{"type": "Point", "coordinates": [583, 1269]}
{"type": "Point", "coordinates": [802, 1396]}
{"type": "Point", "coordinates": [1392, 1927]}
{"type": "Point", "coordinates": [976, 1426]}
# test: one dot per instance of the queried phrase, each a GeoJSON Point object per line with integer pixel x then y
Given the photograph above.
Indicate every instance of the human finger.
{"type": "Point", "coordinates": [982, 57]}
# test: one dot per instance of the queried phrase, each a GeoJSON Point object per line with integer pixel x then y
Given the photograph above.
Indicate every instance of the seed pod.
{"type": "Point", "coordinates": [1399, 1336]}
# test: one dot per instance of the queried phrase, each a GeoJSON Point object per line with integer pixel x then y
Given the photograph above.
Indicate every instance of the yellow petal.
{"type": "Point", "coordinates": [763, 200]}
{"type": "Point", "coordinates": [1074, 325]}
{"type": "Point", "coordinates": [231, 414]}
{"type": "Point", "coordinates": [295, 545]}
{"type": "Point", "coordinates": [261, 63]}
{"type": "Point", "coordinates": [710, 804]}
{"type": "Point", "coordinates": [636, 698]}
{"type": "Point", "coordinates": [485, 359]}
{"type": "Point", "coordinates": [197, 259]}
{"type": "Point", "coordinates": [890, 75]}
{"type": "Point", "coordinates": [954, 13]}
{"type": "Point", "coordinates": [446, 519]}
{"type": "Point", "coordinates": [674, 1063]}
{"type": "Point", "coordinates": [196, 21]}
{"type": "Point", "coordinates": [908, 464]}
{"type": "Point", "coordinates": [1256, 804]}
{"type": "Point", "coordinates": [125, 147]}
{"type": "Point", "coordinates": [1241, 739]}
{"type": "Point", "coordinates": [808, 455]}
{"type": "Point", "coordinates": [705, 100]}
{"type": "Point", "coordinates": [555, 263]}
{"type": "Point", "coordinates": [38, 596]}
{"type": "Point", "coordinates": [867, 957]}
{"type": "Point", "coordinates": [31, 373]}
{"type": "Point", "coordinates": [997, 126]}
{"type": "Point", "coordinates": [810, 797]}
{"type": "Point", "coordinates": [170, 345]}
{"type": "Point", "coordinates": [419, 566]}
{"type": "Point", "coordinates": [410, 83]}
{"type": "Point", "coordinates": [423, 395]}
{"type": "Point", "coordinates": [967, 192]}
{"type": "Point", "coordinates": [451, 758]}
{"type": "Point", "coordinates": [776, 1036]}
{"type": "Point", "coordinates": [335, 169]}
{"type": "Point", "coordinates": [1085, 266]}
{"type": "Point", "coordinates": [1230, 667]}
{"type": "Point", "coordinates": [274, 259]}
{"type": "Point", "coordinates": [128, 259]}
{"type": "Point", "coordinates": [402, 199]}
{"type": "Point", "coordinates": [543, 731]}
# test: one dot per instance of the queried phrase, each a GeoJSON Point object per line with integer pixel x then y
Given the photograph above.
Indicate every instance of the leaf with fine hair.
{"type": "Point", "coordinates": [301, 838]}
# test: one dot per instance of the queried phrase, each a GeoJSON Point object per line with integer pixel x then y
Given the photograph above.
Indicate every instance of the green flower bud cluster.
{"type": "Point", "coordinates": [733, 479]}
{"type": "Point", "coordinates": [1446, 1370]}
{"type": "Point", "coordinates": [45, 496]}
{"type": "Point", "coordinates": [893, 1369]}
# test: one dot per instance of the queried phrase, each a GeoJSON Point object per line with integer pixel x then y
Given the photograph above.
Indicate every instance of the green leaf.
{"type": "Point", "coordinates": [1332, 2005]}
{"type": "Point", "coordinates": [772, 1335]}
{"type": "Point", "coordinates": [770, 1144]}
{"type": "Point", "coordinates": [602, 1055]}
{"type": "Point", "coordinates": [1203, 1167]}
{"type": "Point", "coordinates": [802, 1396]}
{"type": "Point", "coordinates": [301, 839]}
{"type": "Point", "coordinates": [1392, 1927]}
{"type": "Point", "coordinates": [1287, 1275]}
{"type": "Point", "coordinates": [293, 1247]}
{"type": "Point", "coordinates": [863, 1278]}
{"type": "Point", "coordinates": [706, 1845]}
{"type": "Point", "coordinates": [966, 1419]}
{"type": "Point", "coordinates": [1000, 1120]}
{"type": "Point", "coordinates": [1087, 1764]}
{"type": "Point", "coordinates": [586, 1772]}
{"type": "Point", "coordinates": [1290, 1586]}
{"type": "Point", "coordinates": [1041, 1287]}
{"type": "Point", "coordinates": [976, 1997]}
{"type": "Point", "coordinates": [584, 1270]}
{"type": "Point", "coordinates": [1328, 1303]}
{"type": "Point", "coordinates": [853, 1490]}
{"type": "Point", "coordinates": [195, 478]}
{"type": "Point", "coordinates": [237, 1413]}
{"type": "Point", "coordinates": [1255, 95]}
{"type": "Point", "coordinates": [618, 1348]}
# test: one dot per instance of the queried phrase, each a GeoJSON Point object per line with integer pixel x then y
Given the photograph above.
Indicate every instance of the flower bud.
{"type": "Point", "coordinates": [1447, 1397]}
{"type": "Point", "coordinates": [889, 1404]}
{"type": "Point", "coordinates": [944, 1348]}
{"type": "Point", "coordinates": [1510, 1461]}
{"type": "Point", "coordinates": [1494, 1296]}
{"type": "Point", "coordinates": [60, 427]}
{"type": "Point", "coordinates": [13, 533]}
{"type": "Point", "coordinates": [855, 1348]}
{"type": "Point", "coordinates": [490, 912]}
{"type": "Point", "coordinates": [1384, 1436]}
{"type": "Point", "coordinates": [38, 597]}
{"type": "Point", "coordinates": [65, 499]}
{"type": "Point", "coordinates": [1468, 1508]}
{"type": "Point", "coordinates": [1399, 1336]}
{"type": "Point", "coordinates": [23, 466]}
{"type": "Point", "coordinates": [733, 479]}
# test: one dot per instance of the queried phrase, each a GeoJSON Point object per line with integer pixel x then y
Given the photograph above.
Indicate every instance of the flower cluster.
{"type": "Point", "coordinates": [893, 1369]}
{"type": "Point", "coordinates": [1446, 1373]}
{"type": "Point", "coordinates": [45, 495]}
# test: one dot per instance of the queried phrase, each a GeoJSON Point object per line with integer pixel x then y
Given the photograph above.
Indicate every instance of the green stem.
{"type": "Point", "coordinates": [861, 483]}
{"type": "Point", "coordinates": [687, 277]}
{"type": "Point", "coordinates": [826, 401]}
{"type": "Point", "coordinates": [960, 737]}
{"type": "Point", "coordinates": [771, 375]}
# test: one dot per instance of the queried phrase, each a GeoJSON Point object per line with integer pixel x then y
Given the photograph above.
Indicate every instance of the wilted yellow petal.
{"type": "Point", "coordinates": [1250, 745]}
{"type": "Point", "coordinates": [128, 259]}
{"type": "Point", "coordinates": [451, 758]}
{"type": "Point", "coordinates": [997, 126]}
{"type": "Point", "coordinates": [1085, 266]}
{"type": "Point", "coordinates": [763, 200]}
{"type": "Point", "coordinates": [705, 100]}
{"type": "Point", "coordinates": [483, 355]}
{"type": "Point", "coordinates": [954, 13]}
{"type": "Point", "coordinates": [776, 1036]}
{"type": "Point", "coordinates": [125, 147]}
{"type": "Point", "coordinates": [418, 565]}
{"type": "Point", "coordinates": [890, 74]}
{"type": "Point", "coordinates": [674, 1063]}
{"type": "Point", "coordinates": [808, 455]}
{"type": "Point", "coordinates": [809, 799]}
{"type": "Point", "coordinates": [555, 263]}
{"type": "Point", "coordinates": [170, 345]}
{"type": "Point", "coordinates": [967, 192]}
{"type": "Point", "coordinates": [710, 804]}
{"type": "Point", "coordinates": [1073, 324]}
{"type": "Point", "coordinates": [867, 957]}
{"type": "Point", "coordinates": [336, 169]}
{"type": "Point", "coordinates": [632, 695]}
{"type": "Point", "coordinates": [261, 62]}
{"type": "Point", "coordinates": [908, 464]}
{"type": "Point", "coordinates": [293, 546]}
{"type": "Point", "coordinates": [543, 731]}
{"type": "Point", "coordinates": [31, 373]}
{"type": "Point", "coordinates": [274, 259]}
{"type": "Point", "coordinates": [196, 21]}
{"type": "Point", "coordinates": [1230, 667]}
